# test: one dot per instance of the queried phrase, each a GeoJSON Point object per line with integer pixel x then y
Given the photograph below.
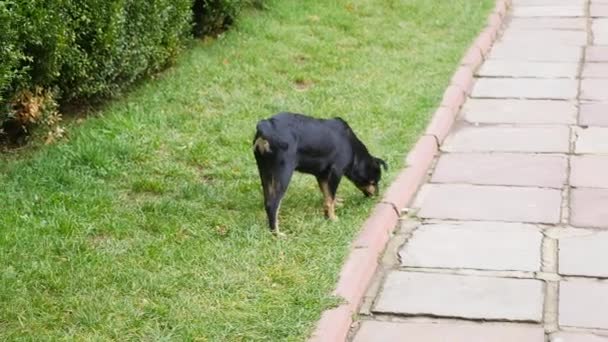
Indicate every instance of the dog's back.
{"type": "Point", "coordinates": [311, 135]}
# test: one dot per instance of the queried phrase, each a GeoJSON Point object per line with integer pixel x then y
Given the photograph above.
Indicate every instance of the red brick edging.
{"type": "Point", "coordinates": [361, 264]}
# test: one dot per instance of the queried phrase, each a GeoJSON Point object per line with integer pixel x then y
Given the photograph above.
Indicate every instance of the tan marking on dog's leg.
{"type": "Point", "coordinates": [329, 204]}
{"type": "Point", "coordinates": [276, 232]}
{"type": "Point", "coordinates": [332, 211]}
{"type": "Point", "coordinates": [272, 187]}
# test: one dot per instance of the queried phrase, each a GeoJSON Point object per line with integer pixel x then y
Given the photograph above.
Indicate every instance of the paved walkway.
{"type": "Point", "coordinates": [509, 240]}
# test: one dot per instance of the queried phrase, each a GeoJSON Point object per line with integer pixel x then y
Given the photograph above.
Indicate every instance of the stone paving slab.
{"type": "Point", "coordinates": [595, 70]}
{"type": "Point", "coordinates": [584, 255]}
{"type": "Point", "coordinates": [599, 28]}
{"type": "Point", "coordinates": [519, 3]}
{"type": "Point", "coordinates": [375, 331]}
{"type": "Point", "coordinates": [583, 303]}
{"type": "Point", "coordinates": [503, 68]}
{"type": "Point", "coordinates": [593, 114]}
{"type": "Point", "coordinates": [577, 337]}
{"type": "Point", "coordinates": [528, 88]}
{"type": "Point", "coordinates": [563, 37]}
{"type": "Point", "coordinates": [590, 171]}
{"type": "Point", "coordinates": [519, 111]}
{"type": "Point", "coordinates": [549, 23]}
{"type": "Point", "coordinates": [598, 10]}
{"type": "Point", "coordinates": [591, 140]}
{"type": "Point", "coordinates": [594, 89]}
{"type": "Point", "coordinates": [536, 52]}
{"type": "Point", "coordinates": [549, 11]}
{"type": "Point", "coordinates": [539, 139]}
{"type": "Point", "coordinates": [489, 203]}
{"type": "Point", "coordinates": [515, 169]}
{"type": "Point", "coordinates": [474, 245]}
{"type": "Point", "coordinates": [445, 295]}
{"type": "Point", "coordinates": [588, 207]}
{"type": "Point", "coordinates": [596, 54]}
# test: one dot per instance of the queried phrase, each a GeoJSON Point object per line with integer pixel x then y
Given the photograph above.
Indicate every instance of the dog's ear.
{"type": "Point", "coordinates": [381, 163]}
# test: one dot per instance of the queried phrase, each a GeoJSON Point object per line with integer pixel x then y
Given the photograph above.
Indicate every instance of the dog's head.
{"type": "Point", "coordinates": [367, 173]}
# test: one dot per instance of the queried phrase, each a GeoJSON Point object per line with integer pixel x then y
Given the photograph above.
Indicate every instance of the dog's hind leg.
{"type": "Point", "coordinates": [277, 189]}
{"type": "Point", "coordinates": [275, 178]}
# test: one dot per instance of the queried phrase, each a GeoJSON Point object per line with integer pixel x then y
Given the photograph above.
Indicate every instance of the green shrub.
{"type": "Point", "coordinates": [10, 52]}
{"type": "Point", "coordinates": [214, 16]}
{"type": "Point", "coordinates": [116, 42]}
{"type": "Point", "coordinates": [92, 49]}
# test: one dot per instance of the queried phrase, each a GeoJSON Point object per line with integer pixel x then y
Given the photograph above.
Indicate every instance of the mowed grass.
{"type": "Point", "coordinates": [147, 222]}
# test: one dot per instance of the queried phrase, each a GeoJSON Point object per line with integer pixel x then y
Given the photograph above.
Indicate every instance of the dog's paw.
{"type": "Point", "coordinates": [339, 201]}
{"type": "Point", "coordinates": [279, 235]}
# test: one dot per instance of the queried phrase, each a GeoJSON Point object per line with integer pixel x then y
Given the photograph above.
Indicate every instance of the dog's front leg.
{"type": "Point", "coordinates": [329, 186]}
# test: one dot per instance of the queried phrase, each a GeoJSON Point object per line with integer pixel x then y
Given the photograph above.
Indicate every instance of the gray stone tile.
{"type": "Point", "coordinates": [536, 52]}
{"type": "Point", "coordinates": [474, 245]}
{"type": "Point", "coordinates": [594, 89]}
{"type": "Point", "coordinates": [376, 331]}
{"type": "Point", "coordinates": [584, 254]}
{"type": "Point", "coordinates": [577, 337]}
{"type": "Point", "coordinates": [593, 114]}
{"type": "Point", "coordinates": [561, 37]}
{"type": "Point", "coordinates": [549, 11]}
{"type": "Point", "coordinates": [578, 24]}
{"type": "Point", "coordinates": [525, 88]}
{"type": "Point", "coordinates": [598, 10]}
{"type": "Point", "coordinates": [589, 171]}
{"type": "Point", "coordinates": [521, 3]}
{"type": "Point", "coordinates": [515, 169]}
{"type": "Point", "coordinates": [535, 139]}
{"type": "Point", "coordinates": [588, 208]}
{"type": "Point", "coordinates": [444, 295]}
{"type": "Point", "coordinates": [595, 70]}
{"type": "Point", "coordinates": [505, 68]}
{"type": "Point", "coordinates": [600, 31]}
{"type": "Point", "coordinates": [489, 203]}
{"type": "Point", "coordinates": [596, 54]}
{"type": "Point", "coordinates": [583, 303]}
{"type": "Point", "coordinates": [519, 111]}
{"type": "Point", "coordinates": [592, 140]}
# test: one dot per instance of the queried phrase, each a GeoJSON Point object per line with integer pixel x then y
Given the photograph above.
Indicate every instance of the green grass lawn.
{"type": "Point", "coordinates": [147, 222]}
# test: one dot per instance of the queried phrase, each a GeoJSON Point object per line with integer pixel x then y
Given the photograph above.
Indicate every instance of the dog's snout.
{"type": "Point", "coordinates": [369, 190]}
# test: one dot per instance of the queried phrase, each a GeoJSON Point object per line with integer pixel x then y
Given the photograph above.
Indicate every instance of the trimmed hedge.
{"type": "Point", "coordinates": [71, 50]}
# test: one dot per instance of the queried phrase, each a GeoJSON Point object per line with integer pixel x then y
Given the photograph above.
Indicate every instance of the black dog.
{"type": "Point", "coordinates": [327, 149]}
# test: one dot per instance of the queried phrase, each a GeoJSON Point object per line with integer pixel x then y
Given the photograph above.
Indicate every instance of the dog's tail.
{"type": "Point", "coordinates": [266, 138]}
{"type": "Point", "coordinates": [262, 136]}
{"type": "Point", "coordinates": [262, 145]}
